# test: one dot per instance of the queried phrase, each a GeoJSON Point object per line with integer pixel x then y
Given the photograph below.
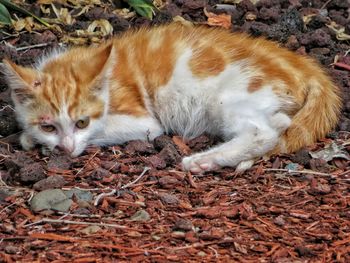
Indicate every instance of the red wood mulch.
{"type": "Point", "coordinates": [268, 213]}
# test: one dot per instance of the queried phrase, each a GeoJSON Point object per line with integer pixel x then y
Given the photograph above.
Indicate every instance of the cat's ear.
{"type": "Point", "coordinates": [21, 80]}
{"type": "Point", "coordinates": [97, 65]}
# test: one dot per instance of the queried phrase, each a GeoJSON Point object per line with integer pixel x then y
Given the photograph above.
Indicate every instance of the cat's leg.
{"type": "Point", "coordinates": [254, 136]}
{"type": "Point", "coordinates": [26, 141]}
{"type": "Point", "coordinates": [123, 128]}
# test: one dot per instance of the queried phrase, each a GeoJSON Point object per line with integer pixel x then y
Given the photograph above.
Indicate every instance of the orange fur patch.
{"type": "Point", "coordinates": [255, 84]}
{"type": "Point", "coordinates": [206, 61]}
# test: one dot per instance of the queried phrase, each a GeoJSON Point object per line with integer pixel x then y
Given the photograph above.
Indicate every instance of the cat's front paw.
{"type": "Point", "coordinates": [199, 164]}
{"type": "Point", "coordinates": [26, 141]}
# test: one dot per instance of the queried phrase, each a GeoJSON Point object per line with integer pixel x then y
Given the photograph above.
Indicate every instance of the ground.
{"type": "Point", "coordinates": [133, 202]}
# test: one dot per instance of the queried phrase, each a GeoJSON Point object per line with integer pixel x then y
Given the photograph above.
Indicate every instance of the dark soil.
{"type": "Point", "coordinates": [136, 203]}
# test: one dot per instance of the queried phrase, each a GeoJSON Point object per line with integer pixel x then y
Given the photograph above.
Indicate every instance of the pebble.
{"type": "Point", "coordinates": [51, 199]}
{"type": "Point", "coordinates": [138, 146]}
{"type": "Point", "coordinates": [169, 199]}
{"type": "Point", "coordinates": [183, 224]}
{"type": "Point", "coordinates": [54, 181]}
{"type": "Point", "coordinates": [141, 215]}
{"type": "Point", "coordinates": [32, 173]}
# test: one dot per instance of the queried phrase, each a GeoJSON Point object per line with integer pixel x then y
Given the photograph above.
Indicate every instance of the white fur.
{"type": "Point", "coordinates": [221, 105]}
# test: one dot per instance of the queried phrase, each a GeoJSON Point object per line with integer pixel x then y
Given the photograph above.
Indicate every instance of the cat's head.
{"type": "Point", "coordinates": [63, 102]}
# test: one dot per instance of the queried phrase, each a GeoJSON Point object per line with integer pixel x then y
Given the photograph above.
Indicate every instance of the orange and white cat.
{"type": "Point", "coordinates": [258, 97]}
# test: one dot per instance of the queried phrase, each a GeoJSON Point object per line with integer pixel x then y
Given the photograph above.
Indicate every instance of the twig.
{"type": "Point", "coordinates": [298, 172]}
{"type": "Point", "coordinates": [86, 189]}
{"type": "Point", "coordinates": [79, 216]}
{"type": "Point", "coordinates": [102, 195]}
{"type": "Point", "coordinates": [2, 183]}
{"type": "Point", "coordinates": [32, 46]}
{"type": "Point", "coordinates": [325, 4]}
{"type": "Point", "coordinates": [82, 168]}
{"type": "Point", "coordinates": [7, 106]}
{"type": "Point", "coordinates": [48, 220]}
{"type": "Point", "coordinates": [6, 207]}
{"type": "Point", "coordinates": [137, 179]}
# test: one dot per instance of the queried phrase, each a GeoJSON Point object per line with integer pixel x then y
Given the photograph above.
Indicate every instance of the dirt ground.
{"type": "Point", "coordinates": [132, 202]}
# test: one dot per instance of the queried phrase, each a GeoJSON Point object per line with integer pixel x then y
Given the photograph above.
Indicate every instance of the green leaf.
{"type": "Point", "coordinates": [5, 17]}
{"type": "Point", "coordinates": [144, 8]}
{"type": "Point", "coordinates": [15, 7]}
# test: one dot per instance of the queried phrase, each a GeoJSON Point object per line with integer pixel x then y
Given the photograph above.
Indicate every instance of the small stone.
{"type": "Point", "coordinates": [183, 224]}
{"type": "Point", "coordinates": [292, 166]}
{"type": "Point", "coordinates": [139, 146]}
{"type": "Point", "coordinates": [301, 157]}
{"type": "Point", "coordinates": [201, 254]}
{"type": "Point", "coordinates": [155, 161]}
{"type": "Point", "coordinates": [168, 182]}
{"type": "Point", "coordinates": [59, 162]}
{"type": "Point", "coordinates": [8, 125]}
{"type": "Point", "coordinates": [161, 141]}
{"type": "Point", "coordinates": [11, 249]}
{"type": "Point", "coordinates": [155, 237]}
{"type": "Point", "coordinates": [82, 211]}
{"type": "Point", "coordinates": [304, 251]}
{"type": "Point", "coordinates": [55, 181]}
{"type": "Point", "coordinates": [318, 38]}
{"type": "Point", "coordinates": [178, 234]}
{"type": "Point", "coordinates": [272, 13]}
{"type": "Point", "coordinates": [4, 193]}
{"type": "Point", "coordinates": [279, 221]}
{"type": "Point", "coordinates": [132, 233]}
{"type": "Point", "coordinates": [32, 173]}
{"type": "Point", "coordinates": [99, 173]}
{"type": "Point", "coordinates": [16, 162]}
{"type": "Point", "coordinates": [169, 199]}
{"type": "Point", "coordinates": [7, 228]}
{"type": "Point", "coordinates": [140, 215]}
{"type": "Point", "coordinates": [51, 199]}
{"type": "Point", "coordinates": [292, 43]}
{"type": "Point", "coordinates": [90, 230]}
{"type": "Point", "coordinates": [319, 189]}
{"type": "Point", "coordinates": [170, 155]}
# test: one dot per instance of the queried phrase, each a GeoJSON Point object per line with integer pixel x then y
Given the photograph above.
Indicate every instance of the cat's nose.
{"type": "Point", "coordinates": [67, 144]}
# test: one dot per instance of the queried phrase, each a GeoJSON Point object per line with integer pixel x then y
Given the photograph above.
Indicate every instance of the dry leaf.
{"type": "Point", "coordinates": [238, 1]}
{"type": "Point", "coordinates": [124, 13]}
{"type": "Point", "coordinates": [330, 152]}
{"type": "Point", "coordinates": [250, 16]}
{"type": "Point", "coordinates": [63, 15]}
{"type": "Point", "coordinates": [339, 31]}
{"type": "Point", "coordinates": [308, 18]}
{"type": "Point", "coordinates": [74, 40]}
{"type": "Point", "coordinates": [24, 23]}
{"type": "Point", "coordinates": [183, 21]}
{"type": "Point", "coordinates": [222, 20]}
{"type": "Point", "coordinates": [103, 26]}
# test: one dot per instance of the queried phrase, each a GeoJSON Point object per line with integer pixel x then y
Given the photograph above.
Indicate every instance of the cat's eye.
{"type": "Point", "coordinates": [82, 123]}
{"type": "Point", "coordinates": [47, 128]}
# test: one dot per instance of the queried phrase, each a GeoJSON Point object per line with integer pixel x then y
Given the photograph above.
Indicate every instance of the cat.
{"type": "Point", "coordinates": [260, 98]}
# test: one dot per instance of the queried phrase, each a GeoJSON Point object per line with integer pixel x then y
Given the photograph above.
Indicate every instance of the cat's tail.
{"type": "Point", "coordinates": [318, 115]}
